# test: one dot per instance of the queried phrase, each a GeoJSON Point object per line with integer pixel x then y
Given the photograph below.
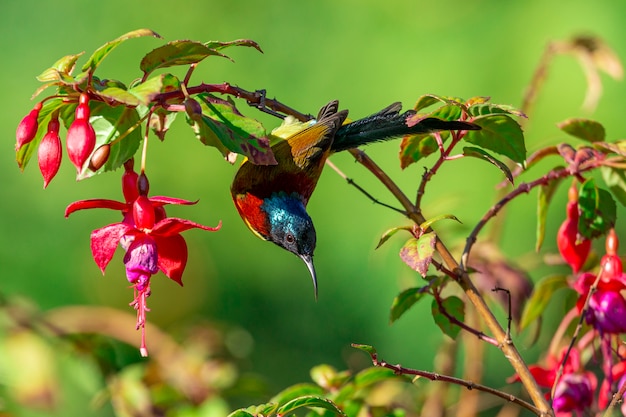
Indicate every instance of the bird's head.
{"type": "Point", "coordinates": [290, 227]}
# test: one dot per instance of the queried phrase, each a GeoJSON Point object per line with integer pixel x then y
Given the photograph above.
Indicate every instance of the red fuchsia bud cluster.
{"type": "Point", "coordinates": [152, 240]}
{"type": "Point", "coordinates": [80, 142]}
{"type": "Point", "coordinates": [81, 138]}
{"type": "Point", "coordinates": [573, 248]}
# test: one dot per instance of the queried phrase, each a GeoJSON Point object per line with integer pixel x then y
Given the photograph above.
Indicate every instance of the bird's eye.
{"type": "Point", "coordinates": [289, 238]}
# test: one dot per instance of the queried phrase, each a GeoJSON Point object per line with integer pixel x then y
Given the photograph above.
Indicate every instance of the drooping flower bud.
{"type": "Point", "coordinates": [143, 213]}
{"type": "Point", "coordinates": [143, 185]}
{"type": "Point", "coordinates": [27, 129]}
{"type": "Point", "coordinates": [573, 248]}
{"type": "Point", "coordinates": [129, 182]}
{"type": "Point", "coordinates": [81, 138]}
{"type": "Point", "coordinates": [49, 153]}
{"type": "Point", "coordinates": [99, 157]}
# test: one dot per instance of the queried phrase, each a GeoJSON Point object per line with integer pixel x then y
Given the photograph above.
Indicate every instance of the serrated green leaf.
{"type": "Point", "coordinates": [418, 253]}
{"type": "Point", "coordinates": [455, 307]}
{"type": "Point", "coordinates": [217, 45]}
{"type": "Point", "coordinates": [223, 127]}
{"type": "Point", "coordinates": [541, 296]}
{"type": "Point", "coordinates": [428, 100]}
{"type": "Point", "coordinates": [62, 69]}
{"type": "Point", "coordinates": [501, 134]}
{"type": "Point", "coordinates": [405, 300]}
{"type": "Point", "coordinates": [485, 156]}
{"type": "Point", "coordinates": [240, 413]}
{"type": "Point", "coordinates": [415, 147]}
{"type": "Point", "coordinates": [544, 197]}
{"type": "Point", "coordinates": [98, 56]}
{"type": "Point", "coordinates": [180, 52]}
{"type": "Point", "coordinates": [309, 401]}
{"type": "Point", "coordinates": [118, 95]}
{"type": "Point", "coordinates": [109, 123]}
{"type": "Point", "coordinates": [597, 210]}
{"type": "Point", "coordinates": [475, 101]}
{"type": "Point", "coordinates": [483, 109]}
{"type": "Point", "coordinates": [389, 233]}
{"type": "Point", "coordinates": [615, 179]}
{"type": "Point", "coordinates": [23, 156]}
{"type": "Point", "coordinates": [149, 89]}
{"type": "Point", "coordinates": [584, 129]}
{"type": "Point", "coordinates": [447, 112]}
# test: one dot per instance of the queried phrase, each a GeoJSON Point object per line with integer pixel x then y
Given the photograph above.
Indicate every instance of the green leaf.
{"type": "Point", "coordinates": [309, 401]}
{"type": "Point", "coordinates": [597, 210]}
{"type": "Point", "coordinates": [483, 109]}
{"type": "Point", "coordinates": [415, 147]}
{"type": "Point", "coordinates": [447, 112]}
{"type": "Point", "coordinates": [98, 56]}
{"type": "Point", "coordinates": [615, 179]}
{"type": "Point", "coordinates": [584, 129]}
{"type": "Point", "coordinates": [542, 295]}
{"type": "Point", "coordinates": [217, 45]}
{"type": "Point", "coordinates": [485, 156]}
{"type": "Point", "coordinates": [181, 52]}
{"type": "Point", "coordinates": [365, 348]}
{"type": "Point", "coordinates": [544, 197]}
{"type": "Point", "coordinates": [387, 235]}
{"type": "Point", "coordinates": [60, 70]}
{"type": "Point", "coordinates": [240, 413]}
{"type": "Point", "coordinates": [109, 123]}
{"type": "Point", "coordinates": [296, 391]}
{"type": "Point", "coordinates": [372, 376]}
{"type": "Point", "coordinates": [118, 95]}
{"type": "Point", "coordinates": [149, 89]}
{"type": "Point", "coordinates": [327, 377]}
{"type": "Point", "coordinates": [405, 300]}
{"type": "Point", "coordinates": [23, 156]}
{"type": "Point", "coordinates": [428, 100]}
{"type": "Point", "coordinates": [418, 253]}
{"type": "Point", "coordinates": [425, 225]}
{"type": "Point", "coordinates": [500, 134]}
{"type": "Point", "coordinates": [223, 127]}
{"type": "Point", "coordinates": [455, 307]}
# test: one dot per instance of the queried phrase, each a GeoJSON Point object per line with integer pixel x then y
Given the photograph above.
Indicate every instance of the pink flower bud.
{"type": "Point", "coordinates": [81, 138]}
{"type": "Point", "coordinates": [27, 129]}
{"type": "Point", "coordinates": [49, 152]}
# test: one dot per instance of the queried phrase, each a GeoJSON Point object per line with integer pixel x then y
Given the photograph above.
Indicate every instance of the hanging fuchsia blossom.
{"type": "Point", "coordinates": [152, 240]}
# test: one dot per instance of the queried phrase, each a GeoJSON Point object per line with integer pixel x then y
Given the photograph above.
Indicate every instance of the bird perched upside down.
{"type": "Point", "coordinates": [272, 199]}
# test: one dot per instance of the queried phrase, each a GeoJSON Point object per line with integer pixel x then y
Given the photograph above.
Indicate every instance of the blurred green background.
{"type": "Point", "coordinates": [364, 53]}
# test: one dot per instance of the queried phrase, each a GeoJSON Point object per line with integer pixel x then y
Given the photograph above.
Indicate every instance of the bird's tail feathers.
{"type": "Point", "coordinates": [388, 124]}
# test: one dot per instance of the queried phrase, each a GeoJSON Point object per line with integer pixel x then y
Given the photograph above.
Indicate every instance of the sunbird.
{"type": "Point", "coordinates": [272, 199]}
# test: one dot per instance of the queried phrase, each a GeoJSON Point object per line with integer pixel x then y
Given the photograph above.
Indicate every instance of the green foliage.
{"type": "Point", "coordinates": [597, 210]}
{"type": "Point", "coordinates": [445, 309]}
{"type": "Point", "coordinates": [542, 295]}
{"type": "Point", "coordinates": [585, 129]}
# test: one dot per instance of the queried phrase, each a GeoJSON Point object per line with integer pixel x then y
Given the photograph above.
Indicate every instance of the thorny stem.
{"type": "Point", "coordinates": [398, 369]}
{"type": "Point", "coordinates": [617, 398]}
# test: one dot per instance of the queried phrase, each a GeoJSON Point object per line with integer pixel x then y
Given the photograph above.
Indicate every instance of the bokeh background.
{"type": "Point", "coordinates": [364, 53]}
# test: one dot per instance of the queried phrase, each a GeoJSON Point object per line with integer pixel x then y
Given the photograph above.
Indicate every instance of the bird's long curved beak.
{"type": "Point", "coordinates": [308, 260]}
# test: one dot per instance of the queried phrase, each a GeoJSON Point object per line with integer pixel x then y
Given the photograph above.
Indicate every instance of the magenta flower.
{"type": "Point", "coordinates": [573, 393]}
{"type": "Point", "coordinates": [152, 240]}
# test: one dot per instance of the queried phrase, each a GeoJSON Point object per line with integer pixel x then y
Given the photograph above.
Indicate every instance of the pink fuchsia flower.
{"type": "Point", "coordinates": [574, 393]}
{"type": "Point", "coordinates": [152, 240]}
{"type": "Point", "coordinates": [573, 248]}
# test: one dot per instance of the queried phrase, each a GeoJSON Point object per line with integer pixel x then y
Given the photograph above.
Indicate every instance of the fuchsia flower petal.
{"type": "Point", "coordinates": [172, 226]}
{"type": "Point", "coordinates": [172, 256]}
{"type": "Point", "coordinates": [160, 200]}
{"type": "Point", "coordinates": [95, 203]}
{"type": "Point", "coordinates": [104, 242]}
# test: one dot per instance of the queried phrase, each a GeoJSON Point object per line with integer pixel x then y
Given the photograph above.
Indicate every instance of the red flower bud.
{"type": "Point", "coordinates": [143, 213]}
{"type": "Point", "coordinates": [27, 129]}
{"type": "Point", "coordinates": [573, 249]}
{"type": "Point", "coordinates": [49, 152]}
{"type": "Point", "coordinates": [81, 138]}
{"type": "Point", "coordinates": [129, 182]}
